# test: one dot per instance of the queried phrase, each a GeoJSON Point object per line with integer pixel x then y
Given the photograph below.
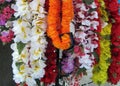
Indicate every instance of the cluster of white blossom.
{"type": "Point", "coordinates": [29, 43]}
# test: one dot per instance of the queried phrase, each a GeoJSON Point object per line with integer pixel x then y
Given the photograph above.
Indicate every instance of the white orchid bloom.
{"type": "Point", "coordinates": [85, 62]}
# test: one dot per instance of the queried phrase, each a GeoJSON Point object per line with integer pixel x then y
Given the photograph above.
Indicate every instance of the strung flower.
{"type": "Point", "coordinates": [51, 54]}
{"type": "Point", "coordinates": [21, 29]}
{"type": "Point", "coordinates": [2, 19]}
{"type": "Point", "coordinates": [100, 75]}
{"type": "Point", "coordinates": [113, 71]}
{"type": "Point", "coordinates": [20, 69]}
{"type": "Point", "coordinates": [56, 22]}
{"type": "Point", "coordinates": [21, 9]}
{"type": "Point", "coordinates": [2, 1]}
{"type": "Point", "coordinates": [78, 51]}
{"type": "Point", "coordinates": [67, 65]}
{"type": "Point", "coordinates": [29, 43]}
{"type": "Point", "coordinates": [8, 0]}
{"type": "Point", "coordinates": [8, 12]}
{"type": "Point", "coordinates": [85, 62]}
{"type": "Point", "coordinates": [7, 36]}
{"type": "Point", "coordinates": [80, 58]}
{"type": "Point", "coordinates": [86, 40]}
{"type": "Point", "coordinates": [6, 16]}
{"type": "Point", "coordinates": [38, 68]}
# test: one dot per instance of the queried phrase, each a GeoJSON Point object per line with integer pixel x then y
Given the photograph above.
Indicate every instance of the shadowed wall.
{"type": "Point", "coordinates": [5, 66]}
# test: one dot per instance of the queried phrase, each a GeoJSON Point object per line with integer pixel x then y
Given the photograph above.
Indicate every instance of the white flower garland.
{"type": "Point", "coordinates": [85, 35]}
{"type": "Point", "coordinates": [29, 30]}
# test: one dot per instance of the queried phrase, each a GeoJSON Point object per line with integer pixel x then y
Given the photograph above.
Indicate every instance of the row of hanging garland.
{"type": "Point", "coordinates": [85, 33]}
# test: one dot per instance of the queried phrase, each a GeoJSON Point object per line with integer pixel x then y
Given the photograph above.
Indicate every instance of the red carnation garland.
{"type": "Point", "coordinates": [51, 70]}
{"type": "Point", "coordinates": [114, 69]}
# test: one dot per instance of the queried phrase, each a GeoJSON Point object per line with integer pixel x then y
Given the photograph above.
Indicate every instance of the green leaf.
{"type": "Point", "coordinates": [4, 43]}
{"type": "Point", "coordinates": [81, 70]}
{"type": "Point", "coordinates": [96, 56]}
{"type": "Point", "coordinates": [97, 69]}
{"type": "Point", "coordinates": [119, 37]}
{"type": "Point", "coordinates": [118, 63]}
{"type": "Point", "coordinates": [91, 10]}
{"type": "Point", "coordinates": [114, 75]}
{"type": "Point", "coordinates": [22, 84]}
{"type": "Point", "coordinates": [3, 28]}
{"type": "Point", "coordinates": [99, 83]}
{"type": "Point", "coordinates": [88, 2]}
{"type": "Point", "coordinates": [43, 84]}
{"type": "Point", "coordinates": [117, 46]}
{"type": "Point", "coordinates": [20, 47]}
{"type": "Point", "coordinates": [18, 64]}
{"type": "Point", "coordinates": [13, 18]}
{"type": "Point", "coordinates": [38, 82]}
{"type": "Point", "coordinates": [109, 60]}
{"type": "Point", "coordinates": [113, 20]}
{"type": "Point", "coordinates": [107, 37]}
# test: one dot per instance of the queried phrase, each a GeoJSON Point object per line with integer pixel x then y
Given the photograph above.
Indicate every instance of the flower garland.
{"type": "Point", "coordinates": [6, 18]}
{"type": "Point", "coordinates": [51, 70]}
{"type": "Point", "coordinates": [29, 42]}
{"type": "Point", "coordinates": [86, 38]}
{"type": "Point", "coordinates": [114, 69]}
{"type": "Point", "coordinates": [100, 75]}
{"type": "Point", "coordinates": [81, 58]}
{"type": "Point", "coordinates": [49, 78]}
{"type": "Point", "coordinates": [55, 23]}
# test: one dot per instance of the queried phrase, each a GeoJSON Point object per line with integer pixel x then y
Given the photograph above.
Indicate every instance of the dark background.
{"type": "Point", "coordinates": [6, 76]}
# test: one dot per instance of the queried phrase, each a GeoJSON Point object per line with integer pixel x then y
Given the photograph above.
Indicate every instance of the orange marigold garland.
{"type": "Point", "coordinates": [54, 18]}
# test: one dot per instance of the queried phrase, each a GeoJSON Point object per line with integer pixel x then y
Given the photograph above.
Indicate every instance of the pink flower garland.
{"type": "Point", "coordinates": [6, 14]}
{"type": "Point", "coordinates": [87, 26]}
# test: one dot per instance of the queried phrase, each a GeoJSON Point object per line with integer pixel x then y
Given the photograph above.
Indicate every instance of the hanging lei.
{"type": "Point", "coordinates": [81, 58]}
{"type": "Point", "coordinates": [100, 75]}
{"type": "Point", "coordinates": [61, 39]}
{"type": "Point", "coordinates": [29, 42]}
{"type": "Point", "coordinates": [114, 69]}
{"type": "Point", "coordinates": [51, 70]}
{"type": "Point", "coordinates": [6, 18]}
{"type": "Point", "coordinates": [86, 37]}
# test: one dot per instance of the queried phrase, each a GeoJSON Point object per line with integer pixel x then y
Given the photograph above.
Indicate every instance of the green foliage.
{"type": "Point", "coordinates": [20, 47]}
{"type": "Point", "coordinates": [38, 82]}
{"type": "Point", "coordinates": [91, 10]}
{"type": "Point", "coordinates": [81, 70]}
{"type": "Point", "coordinates": [87, 2]}
{"type": "Point", "coordinates": [106, 37]}
{"type": "Point", "coordinates": [18, 64]}
{"type": "Point", "coordinates": [109, 60]}
{"type": "Point", "coordinates": [96, 56]}
{"type": "Point", "coordinates": [96, 69]}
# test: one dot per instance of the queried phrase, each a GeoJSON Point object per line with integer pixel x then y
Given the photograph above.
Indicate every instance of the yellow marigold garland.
{"type": "Point", "coordinates": [54, 22]}
{"type": "Point", "coordinates": [100, 75]}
